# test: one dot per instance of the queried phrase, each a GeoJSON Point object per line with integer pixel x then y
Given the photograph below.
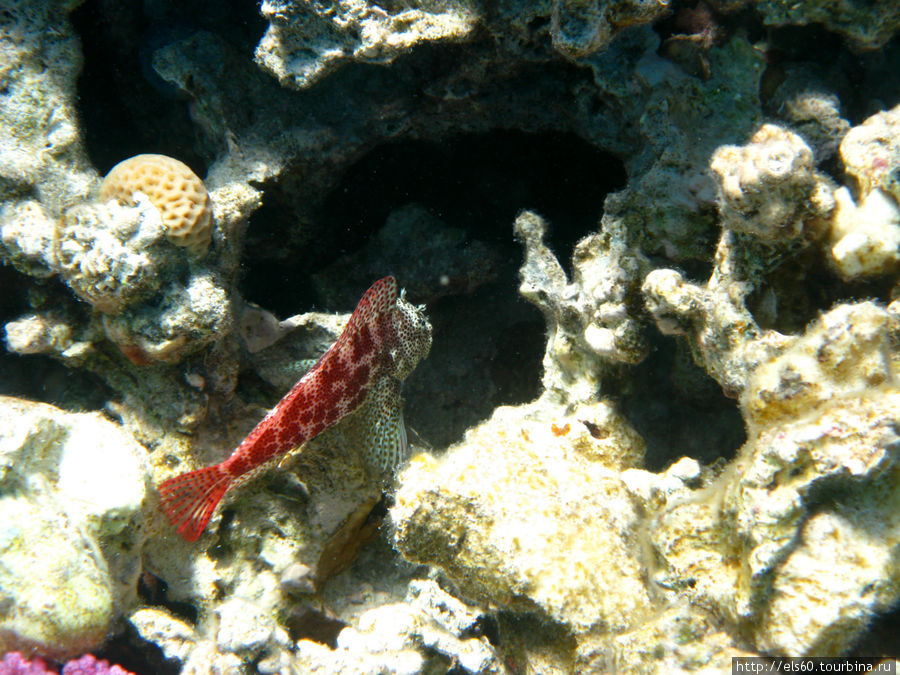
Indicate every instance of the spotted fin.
{"type": "Point", "coordinates": [189, 500]}
{"type": "Point", "coordinates": [385, 445]}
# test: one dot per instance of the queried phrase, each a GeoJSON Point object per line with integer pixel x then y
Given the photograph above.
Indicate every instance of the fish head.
{"type": "Point", "coordinates": [412, 332]}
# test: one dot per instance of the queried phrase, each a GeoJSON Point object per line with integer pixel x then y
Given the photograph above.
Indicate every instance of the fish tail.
{"type": "Point", "coordinates": [189, 500]}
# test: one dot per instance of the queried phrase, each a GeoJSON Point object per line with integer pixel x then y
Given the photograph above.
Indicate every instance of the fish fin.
{"type": "Point", "coordinates": [385, 445]}
{"type": "Point", "coordinates": [381, 297]}
{"type": "Point", "coordinates": [189, 500]}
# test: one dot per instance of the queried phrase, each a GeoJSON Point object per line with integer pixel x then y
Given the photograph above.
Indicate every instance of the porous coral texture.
{"type": "Point", "coordinates": [307, 40]}
{"type": "Point", "coordinates": [871, 153]}
{"type": "Point", "coordinates": [72, 500]}
{"type": "Point", "coordinates": [529, 515]}
{"type": "Point", "coordinates": [866, 26]}
{"type": "Point", "coordinates": [864, 237]}
{"type": "Point", "coordinates": [769, 187]}
{"type": "Point", "coordinates": [173, 188]}
{"type": "Point", "coordinates": [589, 326]}
{"type": "Point", "coordinates": [821, 413]}
{"type": "Point", "coordinates": [108, 254]}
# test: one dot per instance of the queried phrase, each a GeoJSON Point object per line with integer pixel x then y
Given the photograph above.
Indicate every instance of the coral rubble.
{"type": "Point", "coordinates": [754, 230]}
{"type": "Point", "coordinates": [74, 493]}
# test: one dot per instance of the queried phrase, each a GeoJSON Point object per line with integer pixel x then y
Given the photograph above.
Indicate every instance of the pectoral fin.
{"type": "Point", "coordinates": [385, 444]}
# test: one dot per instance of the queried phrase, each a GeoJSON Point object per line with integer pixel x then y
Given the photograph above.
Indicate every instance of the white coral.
{"type": "Point", "coordinates": [769, 188]}
{"type": "Point", "coordinates": [102, 253]}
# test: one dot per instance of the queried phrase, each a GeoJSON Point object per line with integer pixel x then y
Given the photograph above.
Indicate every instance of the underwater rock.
{"type": "Point", "coordinates": [109, 255]}
{"type": "Point", "coordinates": [41, 153]}
{"type": "Point", "coordinates": [174, 636]}
{"type": "Point", "coordinates": [864, 236]}
{"type": "Point", "coordinates": [313, 511]}
{"type": "Point", "coordinates": [58, 595]}
{"type": "Point", "coordinates": [580, 28]}
{"type": "Point", "coordinates": [305, 42]}
{"type": "Point", "coordinates": [588, 321]}
{"type": "Point", "coordinates": [527, 513]}
{"type": "Point", "coordinates": [669, 204]}
{"type": "Point", "coordinates": [679, 639]}
{"type": "Point", "coordinates": [726, 339]}
{"type": "Point", "coordinates": [807, 101]}
{"type": "Point", "coordinates": [447, 261]}
{"type": "Point", "coordinates": [865, 26]}
{"type": "Point", "coordinates": [182, 321]}
{"type": "Point", "coordinates": [762, 544]}
{"type": "Point", "coordinates": [26, 237]}
{"type": "Point", "coordinates": [429, 632]}
{"type": "Point", "coordinates": [769, 188]}
{"type": "Point", "coordinates": [871, 153]}
{"type": "Point", "coordinates": [73, 490]}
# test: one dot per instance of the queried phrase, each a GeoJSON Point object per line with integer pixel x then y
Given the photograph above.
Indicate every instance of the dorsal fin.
{"type": "Point", "coordinates": [381, 296]}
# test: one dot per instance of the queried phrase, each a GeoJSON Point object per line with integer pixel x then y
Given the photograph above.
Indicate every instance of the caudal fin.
{"type": "Point", "coordinates": [189, 500]}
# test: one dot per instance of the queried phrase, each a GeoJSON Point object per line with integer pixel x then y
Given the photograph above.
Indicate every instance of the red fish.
{"type": "Point", "coordinates": [383, 341]}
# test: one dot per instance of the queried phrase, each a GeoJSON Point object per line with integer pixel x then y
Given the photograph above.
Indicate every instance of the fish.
{"type": "Point", "coordinates": [382, 343]}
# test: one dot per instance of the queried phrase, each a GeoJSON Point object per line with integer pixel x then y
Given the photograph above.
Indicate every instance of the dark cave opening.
{"type": "Point", "coordinates": [475, 182]}
{"type": "Point", "coordinates": [488, 342]}
{"type": "Point", "coordinates": [124, 107]}
{"type": "Point", "coordinates": [678, 409]}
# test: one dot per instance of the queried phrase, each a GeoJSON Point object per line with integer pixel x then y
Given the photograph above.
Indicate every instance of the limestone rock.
{"type": "Point", "coordinates": [73, 490]}
{"type": "Point", "coordinates": [519, 516]}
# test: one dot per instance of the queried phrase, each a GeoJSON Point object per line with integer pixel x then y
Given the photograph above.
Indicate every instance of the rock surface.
{"type": "Point", "coordinates": [704, 200]}
{"type": "Point", "coordinates": [74, 502]}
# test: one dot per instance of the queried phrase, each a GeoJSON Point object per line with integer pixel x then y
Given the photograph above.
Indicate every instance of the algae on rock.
{"type": "Point", "coordinates": [527, 512]}
{"type": "Point", "coordinates": [820, 409]}
{"type": "Point", "coordinates": [73, 498]}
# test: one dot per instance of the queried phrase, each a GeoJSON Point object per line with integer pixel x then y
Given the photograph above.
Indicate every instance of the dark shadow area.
{"type": "Point", "coordinates": [480, 182]}
{"type": "Point", "coordinates": [801, 287]}
{"type": "Point", "coordinates": [308, 624]}
{"type": "Point", "coordinates": [488, 342]}
{"type": "Point", "coordinates": [864, 82]}
{"type": "Point", "coordinates": [125, 107]}
{"type": "Point", "coordinates": [36, 377]}
{"type": "Point", "coordinates": [880, 639]}
{"type": "Point", "coordinates": [475, 182]}
{"type": "Point", "coordinates": [136, 655]}
{"type": "Point", "coordinates": [678, 409]}
{"type": "Point", "coordinates": [487, 352]}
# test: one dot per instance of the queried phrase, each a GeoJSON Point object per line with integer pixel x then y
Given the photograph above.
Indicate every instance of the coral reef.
{"type": "Point", "coordinates": [306, 41]}
{"type": "Point", "coordinates": [704, 200]}
{"type": "Point", "coordinates": [430, 631]}
{"type": "Point", "coordinates": [14, 664]}
{"type": "Point", "coordinates": [564, 508]}
{"type": "Point", "coordinates": [864, 26]}
{"type": "Point", "coordinates": [764, 183]}
{"type": "Point", "coordinates": [589, 322]}
{"type": "Point", "coordinates": [74, 496]}
{"type": "Point", "coordinates": [865, 232]}
{"type": "Point", "coordinates": [177, 193]}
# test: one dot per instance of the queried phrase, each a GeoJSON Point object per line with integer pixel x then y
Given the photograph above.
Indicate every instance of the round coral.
{"type": "Point", "coordinates": [177, 192]}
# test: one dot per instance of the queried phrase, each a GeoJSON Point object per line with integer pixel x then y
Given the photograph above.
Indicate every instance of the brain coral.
{"type": "Point", "coordinates": [175, 190]}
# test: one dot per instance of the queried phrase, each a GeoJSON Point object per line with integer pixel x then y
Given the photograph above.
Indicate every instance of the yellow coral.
{"type": "Point", "coordinates": [177, 192]}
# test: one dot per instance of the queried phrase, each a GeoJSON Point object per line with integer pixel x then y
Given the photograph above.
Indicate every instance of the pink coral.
{"type": "Point", "coordinates": [90, 665]}
{"type": "Point", "coordinates": [14, 663]}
